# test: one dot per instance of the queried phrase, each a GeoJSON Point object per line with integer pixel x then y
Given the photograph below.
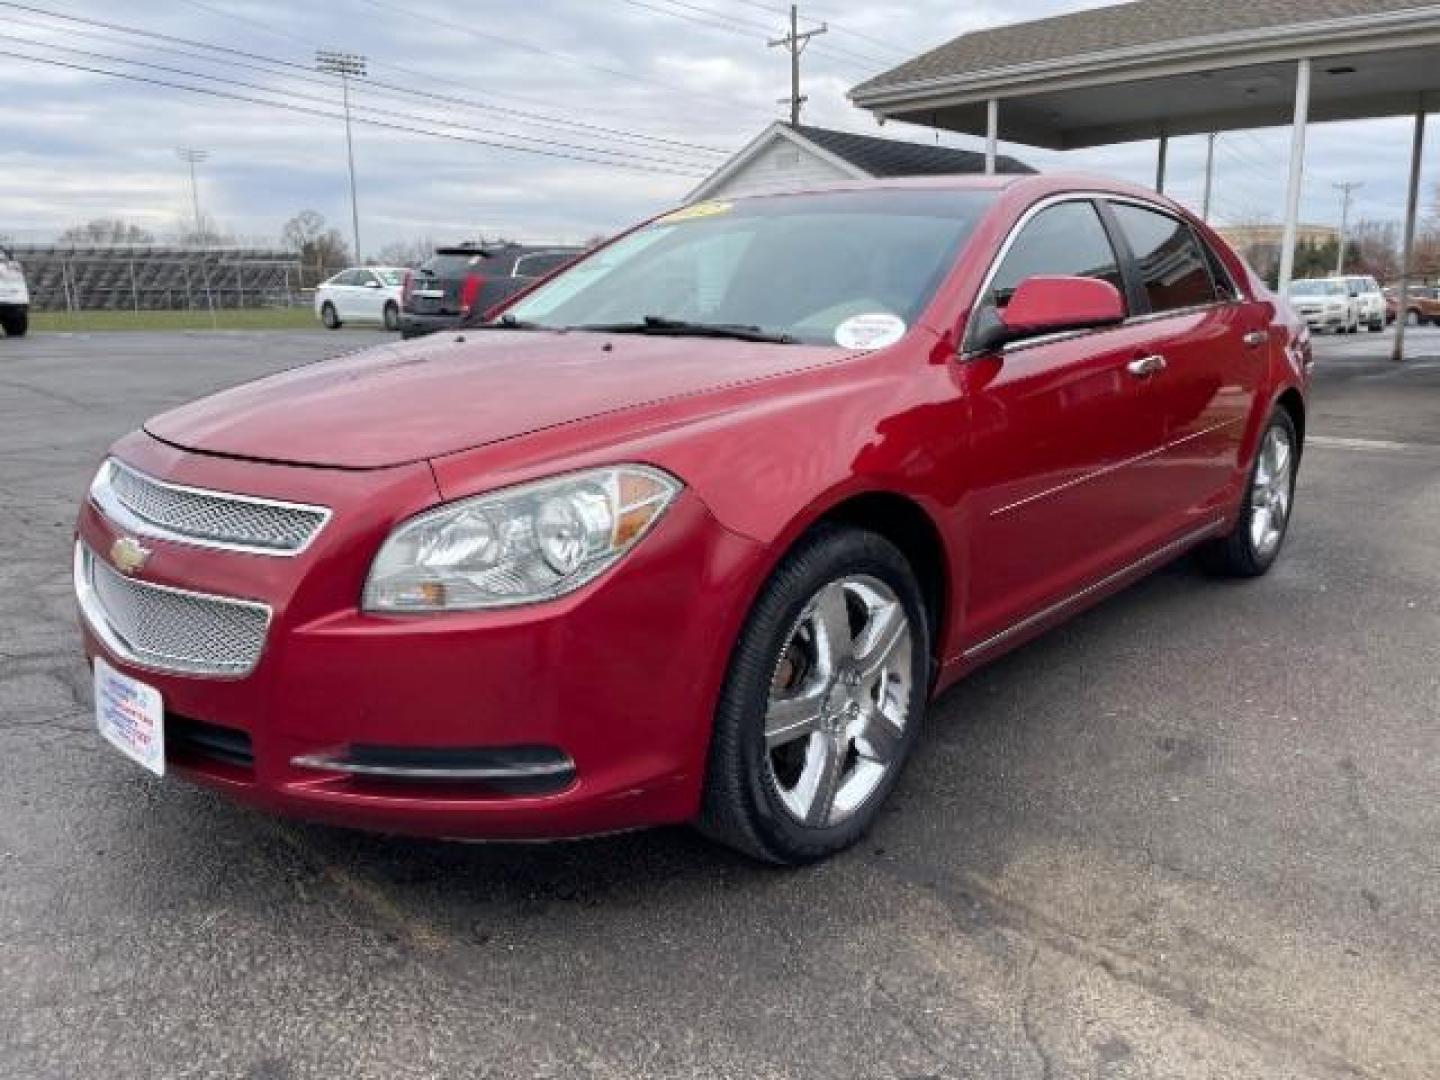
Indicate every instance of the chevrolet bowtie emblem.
{"type": "Point", "coordinates": [128, 555]}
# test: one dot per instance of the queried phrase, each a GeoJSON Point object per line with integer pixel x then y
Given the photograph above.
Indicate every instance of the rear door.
{"type": "Point", "coordinates": [1213, 345]}
{"type": "Point", "coordinates": [1058, 426]}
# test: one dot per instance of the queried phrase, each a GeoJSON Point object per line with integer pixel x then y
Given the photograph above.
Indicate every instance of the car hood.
{"type": "Point", "coordinates": [403, 403]}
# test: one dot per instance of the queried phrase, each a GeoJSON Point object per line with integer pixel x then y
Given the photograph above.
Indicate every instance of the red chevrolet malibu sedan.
{"type": "Point", "coordinates": [696, 528]}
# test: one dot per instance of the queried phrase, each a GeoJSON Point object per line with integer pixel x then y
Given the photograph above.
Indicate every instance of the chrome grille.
{"type": "Point", "coordinates": [169, 629]}
{"type": "Point", "coordinates": [210, 518]}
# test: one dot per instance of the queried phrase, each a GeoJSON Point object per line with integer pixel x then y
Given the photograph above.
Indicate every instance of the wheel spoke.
{"type": "Point", "coordinates": [791, 718]}
{"type": "Point", "coordinates": [881, 739]}
{"type": "Point", "coordinates": [1280, 460]}
{"type": "Point", "coordinates": [820, 780]}
{"type": "Point", "coordinates": [834, 642]}
{"type": "Point", "coordinates": [887, 629]}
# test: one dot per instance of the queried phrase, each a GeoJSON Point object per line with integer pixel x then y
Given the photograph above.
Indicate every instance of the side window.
{"type": "Point", "coordinates": [1066, 239]}
{"type": "Point", "coordinates": [350, 277]}
{"type": "Point", "coordinates": [1173, 269]}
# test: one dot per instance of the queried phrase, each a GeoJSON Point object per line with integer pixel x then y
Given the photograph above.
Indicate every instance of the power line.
{"type": "Point", "coordinates": [303, 73]}
{"type": "Point", "coordinates": [307, 111]}
{"type": "Point", "coordinates": [376, 110]}
{"type": "Point", "coordinates": [634, 76]}
{"type": "Point", "coordinates": [488, 91]}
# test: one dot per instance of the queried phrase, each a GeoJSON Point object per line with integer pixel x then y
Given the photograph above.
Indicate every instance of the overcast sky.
{"type": "Point", "coordinates": [78, 145]}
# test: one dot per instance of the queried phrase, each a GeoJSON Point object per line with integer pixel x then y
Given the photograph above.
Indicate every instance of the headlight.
{"type": "Point", "coordinates": [518, 545]}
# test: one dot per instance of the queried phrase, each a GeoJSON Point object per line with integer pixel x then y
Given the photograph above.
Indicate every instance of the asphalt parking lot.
{"type": "Point", "coordinates": [1193, 833]}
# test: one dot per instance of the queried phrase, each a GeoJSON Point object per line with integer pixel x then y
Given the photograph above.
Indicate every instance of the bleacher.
{"type": "Point", "coordinates": [81, 277]}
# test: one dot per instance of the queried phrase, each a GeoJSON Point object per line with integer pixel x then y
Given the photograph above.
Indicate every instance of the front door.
{"type": "Point", "coordinates": [1058, 428]}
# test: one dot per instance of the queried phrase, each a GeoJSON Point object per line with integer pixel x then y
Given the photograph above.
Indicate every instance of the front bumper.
{"type": "Point", "coordinates": [618, 679]}
{"type": "Point", "coordinates": [1323, 320]}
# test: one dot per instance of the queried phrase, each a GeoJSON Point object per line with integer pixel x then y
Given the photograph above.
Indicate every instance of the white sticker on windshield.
{"type": "Point", "coordinates": [874, 330]}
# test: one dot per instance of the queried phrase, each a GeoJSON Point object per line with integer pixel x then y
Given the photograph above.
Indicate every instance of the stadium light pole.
{"type": "Point", "coordinates": [193, 156]}
{"type": "Point", "coordinates": [348, 66]}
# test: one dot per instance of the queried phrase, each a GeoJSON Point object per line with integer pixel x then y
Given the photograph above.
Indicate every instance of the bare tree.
{"type": "Point", "coordinates": [106, 231]}
{"type": "Point", "coordinates": [320, 247]}
{"type": "Point", "coordinates": [208, 234]}
{"type": "Point", "coordinates": [405, 252]}
{"type": "Point", "coordinates": [1376, 248]}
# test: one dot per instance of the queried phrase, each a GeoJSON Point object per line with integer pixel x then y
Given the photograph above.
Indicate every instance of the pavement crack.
{"type": "Point", "coordinates": [1027, 1017]}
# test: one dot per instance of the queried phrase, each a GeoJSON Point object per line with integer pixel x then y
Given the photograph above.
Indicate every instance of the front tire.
{"type": "Point", "coordinates": [822, 702]}
{"type": "Point", "coordinates": [392, 316]}
{"type": "Point", "coordinates": [1253, 545]}
{"type": "Point", "coordinates": [330, 317]}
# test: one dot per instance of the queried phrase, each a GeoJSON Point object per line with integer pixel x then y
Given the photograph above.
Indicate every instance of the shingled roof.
{"type": "Point", "coordinates": [1115, 28]}
{"type": "Point", "coordinates": [894, 157]}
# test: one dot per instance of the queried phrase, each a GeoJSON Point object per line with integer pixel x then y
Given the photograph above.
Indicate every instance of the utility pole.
{"type": "Point", "coordinates": [192, 157]}
{"type": "Point", "coordinates": [795, 42]}
{"type": "Point", "coordinates": [1209, 177]}
{"type": "Point", "coordinates": [1345, 189]}
{"type": "Point", "coordinates": [347, 66]}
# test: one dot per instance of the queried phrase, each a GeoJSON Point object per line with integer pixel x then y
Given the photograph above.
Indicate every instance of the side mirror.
{"type": "Point", "coordinates": [1051, 305]}
{"type": "Point", "coordinates": [372, 284]}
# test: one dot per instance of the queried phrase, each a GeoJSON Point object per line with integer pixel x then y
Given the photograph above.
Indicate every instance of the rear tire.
{"type": "Point", "coordinates": [330, 317]}
{"type": "Point", "coordinates": [822, 703]}
{"type": "Point", "coordinates": [1376, 325]}
{"type": "Point", "coordinates": [1253, 545]}
{"type": "Point", "coordinates": [392, 316]}
{"type": "Point", "coordinates": [16, 323]}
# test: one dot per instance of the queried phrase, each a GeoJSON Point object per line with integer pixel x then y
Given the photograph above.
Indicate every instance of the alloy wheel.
{"type": "Point", "coordinates": [1271, 491]}
{"type": "Point", "coordinates": [839, 700]}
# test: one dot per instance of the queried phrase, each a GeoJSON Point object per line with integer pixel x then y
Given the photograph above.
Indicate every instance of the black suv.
{"type": "Point", "coordinates": [463, 283]}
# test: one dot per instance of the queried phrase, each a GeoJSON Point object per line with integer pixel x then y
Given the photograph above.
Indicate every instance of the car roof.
{"type": "Point", "coordinates": [1019, 186]}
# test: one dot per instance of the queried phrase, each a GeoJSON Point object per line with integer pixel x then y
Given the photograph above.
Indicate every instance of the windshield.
{"type": "Point", "coordinates": [825, 269]}
{"type": "Point", "coordinates": [1316, 288]}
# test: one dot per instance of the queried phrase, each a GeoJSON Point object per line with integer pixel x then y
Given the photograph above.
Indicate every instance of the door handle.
{"type": "Point", "coordinates": [1144, 366]}
{"type": "Point", "coordinates": [1255, 338]}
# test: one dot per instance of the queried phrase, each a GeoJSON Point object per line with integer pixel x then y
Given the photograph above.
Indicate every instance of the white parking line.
{"type": "Point", "coordinates": [1340, 443]}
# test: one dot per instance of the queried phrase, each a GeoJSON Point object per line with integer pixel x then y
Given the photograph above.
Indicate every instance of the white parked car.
{"type": "Point", "coordinates": [1369, 299]}
{"type": "Point", "coordinates": [362, 294]}
{"type": "Point", "coordinates": [1326, 304]}
{"type": "Point", "coordinates": [14, 297]}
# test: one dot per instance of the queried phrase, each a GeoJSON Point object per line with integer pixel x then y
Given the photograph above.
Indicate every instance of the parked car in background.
{"type": "Point", "coordinates": [362, 294]}
{"type": "Point", "coordinates": [1422, 305]}
{"type": "Point", "coordinates": [1369, 300]}
{"type": "Point", "coordinates": [469, 280]}
{"type": "Point", "coordinates": [696, 529]}
{"type": "Point", "coordinates": [14, 297]}
{"type": "Point", "coordinates": [1327, 304]}
{"type": "Point", "coordinates": [1392, 303]}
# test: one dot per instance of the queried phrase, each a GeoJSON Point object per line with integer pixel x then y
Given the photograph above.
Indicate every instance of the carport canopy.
{"type": "Point", "coordinates": [1151, 69]}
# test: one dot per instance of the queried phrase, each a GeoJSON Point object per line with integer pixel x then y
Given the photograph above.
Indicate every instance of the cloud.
{"type": "Point", "coordinates": [79, 145]}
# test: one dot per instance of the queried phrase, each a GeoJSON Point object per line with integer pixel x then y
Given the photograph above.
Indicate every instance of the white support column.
{"type": "Point", "coordinates": [1161, 154]}
{"type": "Point", "coordinates": [1209, 177]}
{"type": "Point", "coordinates": [1297, 173]}
{"type": "Point", "coordinates": [1407, 255]}
{"type": "Point", "coordinates": [992, 134]}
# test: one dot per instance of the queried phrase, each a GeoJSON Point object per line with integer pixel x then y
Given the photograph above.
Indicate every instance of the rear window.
{"type": "Point", "coordinates": [391, 277]}
{"type": "Point", "coordinates": [453, 264]}
{"type": "Point", "coordinates": [1173, 270]}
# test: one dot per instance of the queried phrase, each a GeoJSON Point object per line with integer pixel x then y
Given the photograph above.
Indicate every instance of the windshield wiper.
{"type": "Point", "coordinates": [661, 326]}
{"type": "Point", "coordinates": [504, 322]}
